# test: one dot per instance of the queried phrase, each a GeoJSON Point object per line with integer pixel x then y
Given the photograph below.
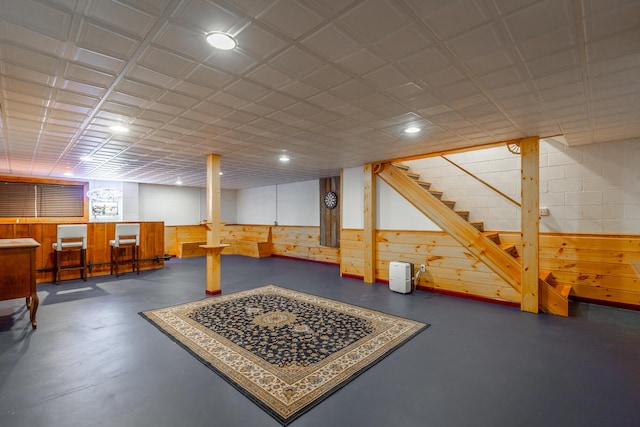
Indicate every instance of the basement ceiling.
{"type": "Point", "coordinates": [330, 83]}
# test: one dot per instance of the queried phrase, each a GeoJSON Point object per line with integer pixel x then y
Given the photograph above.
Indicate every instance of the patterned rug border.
{"type": "Point", "coordinates": [262, 405]}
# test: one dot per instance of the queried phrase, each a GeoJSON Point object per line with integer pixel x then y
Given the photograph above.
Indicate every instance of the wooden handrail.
{"type": "Point", "coordinates": [483, 182]}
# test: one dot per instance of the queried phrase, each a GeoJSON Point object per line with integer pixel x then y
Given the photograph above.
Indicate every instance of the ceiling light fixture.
{"type": "Point", "coordinates": [284, 158]}
{"type": "Point", "coordinates": [85, 158]}
{"type": "Point", "coordinates": [220, 173]}
{"type": "Point", "coordinates": [179, 182]}
{"type": "Point", "coordinates": [221, 40]}
{"type": "Point", "coordinates": [412, 129]}
{"type": "Point", "coordinates": [119, 129]}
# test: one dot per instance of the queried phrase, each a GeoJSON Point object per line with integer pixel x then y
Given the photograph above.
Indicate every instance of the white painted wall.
{"type": "Point", "coordinates": [353, 198]}
{"type": "Point", "coordinates": [256, 205]}
{"type": "Point", "coordinates": [175, 205]}
{"type": "Point", "coordinates": [299, 203]}
{"type": "Point", "coordinates": [588, 189]}
{"type": "Point", "coordinates": [393, 211]}
{"type": "Point", "coordinates": [287, 204]}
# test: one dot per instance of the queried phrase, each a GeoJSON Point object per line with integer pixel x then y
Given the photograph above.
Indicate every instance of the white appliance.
{"type": "Point", "coordinates": [400, 277]}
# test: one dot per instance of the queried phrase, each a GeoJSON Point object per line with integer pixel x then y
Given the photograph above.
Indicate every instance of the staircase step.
{"type": "Point", "coordinates": [449, 203]}
{"type": "Point", "coordinates": [436, 194]}
{"type": "Point", "coordinates": [493, 236]}
{"type": "Point", "coordinates": [510, 249]}
{"type": "Point", "coordinates": [463, 214]}
{"type": "Point", "coordinates": [565, 290]}
{"type": "Point", "coordinates": [478, 224]}
{"type": "Point", "coordinates": [412, 175]}
{"type": "Point", "coordinates": [401, 166]}
{"type": "Point", "coordinates": [424, 184]}
{"type": "Point", "coordinates": [544, 275]}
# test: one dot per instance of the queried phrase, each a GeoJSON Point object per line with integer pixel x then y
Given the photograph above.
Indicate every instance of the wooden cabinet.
{"type": "Point", "coordinates": [18, 272]}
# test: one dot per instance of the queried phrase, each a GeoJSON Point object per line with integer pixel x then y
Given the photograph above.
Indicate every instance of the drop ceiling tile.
{"type": "Point", "coordinates": [477, 43]}
{"type": "Point", "coordinates": [83, 74]}
{"type": "Point", "coordinates": [492, 62]}
{"type": "Point", "coordinates": [292, 18]}
{"type": "Point", "coordinates": [186, 41]}
{"type": "Point", "coordinates": [39, 62]}
{"type": "Point", "coordinates": [233, 61]}
{"type": "Point", "coordinates": [502, 78]}
{"type": "Point", "coordinates": [83, 88]}
{"type": "Point", "coordinates": [269, 77]}
{"type": "Point", "coordinates": [299, 90]}
{"type": "Point", "coordinates": [33, 40]}
{"type": "Point", "coordinates": [457, 18]}
{"type": "Point", "coordinates": [443, 77]}
{"type": "Point", "coordinates": [386, 78]}
{"type": "Point", "coordinates": [361, 62]}
{"type": "Point", "coordinates": [102, 40]}
{"type": "Point", "coordinates": [258, 42]}
{"type": "Point", "coordinates": [331, 43]}
{"type": "Point", "coordinates": [554, 63]}
{"type": "Point", "coordinates": [538, 19]}
{"type": "Point", "coordinates": [295, 62]}
{"type": "Point", "coordinates": [325, 78]}
{"type": "Point", "coordinates": [39, 17]}
{"type": "Point", "coordinates": [124, 98]}
{"type": "Point", "coordinates": [148, 76]}
{"type": "Point", "coordinates": [177, 100]}
{"type": "Point", "coordinates": [209, 77]}
{"type": "Point", "coordinates": [425, 62]}
{"type": "Point", "coordinates": [548, 43]}
{"type": "Point", "coordinates": [372, 20]}
{"type": "Point", "coordinates": [122, 16]}
{"type": "Point", "coordinates": [164, 62]}
{"type": "Point", "coordinates": [26, 74]}
{"type": "Point", "coordinates": [205, 16]}
{"type": "Point", "coordinates": [623, 44]}
{"type": "Point", "coordinates": [193, 90]}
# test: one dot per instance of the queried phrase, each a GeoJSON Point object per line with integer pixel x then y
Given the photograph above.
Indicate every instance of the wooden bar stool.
{"type": "Point", "coordinates": [127, 237]}
{"type": "Point", "coordinates": [70, 238]}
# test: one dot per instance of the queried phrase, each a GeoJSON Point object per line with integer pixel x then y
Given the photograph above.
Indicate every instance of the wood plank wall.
{"type": "Point", "coordinates": [98, 250]}
{"type": "Point", "coordinates": [303, 243]}
{"type": "Point", "coordinates": [449, 266]}
{"type": "Point", "coordinates": [598, 267]}
{"type": "Point", "coordinates": [289, 241]}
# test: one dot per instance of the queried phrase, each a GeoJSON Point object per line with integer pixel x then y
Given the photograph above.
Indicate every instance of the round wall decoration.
{"type": "Point", "coordinates": [330, 200]}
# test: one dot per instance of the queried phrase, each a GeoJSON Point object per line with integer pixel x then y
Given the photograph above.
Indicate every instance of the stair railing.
{"type": "Point", "coordinates": [515, 202]}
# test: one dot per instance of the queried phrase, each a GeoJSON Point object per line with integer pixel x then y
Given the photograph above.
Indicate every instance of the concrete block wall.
{"type": "Point", "coordinates": [588, 189]}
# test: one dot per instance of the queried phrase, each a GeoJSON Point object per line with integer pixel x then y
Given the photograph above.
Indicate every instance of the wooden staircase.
{"type": "Point", "coordinates": [504, 260]}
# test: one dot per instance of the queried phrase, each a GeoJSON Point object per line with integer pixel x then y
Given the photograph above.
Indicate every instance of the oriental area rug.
{"type": "Point", "coordinates": [285, 350]}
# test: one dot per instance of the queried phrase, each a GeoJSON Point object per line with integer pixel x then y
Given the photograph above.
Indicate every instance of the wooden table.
{"type": "Point", "coordinates": [18, 273]}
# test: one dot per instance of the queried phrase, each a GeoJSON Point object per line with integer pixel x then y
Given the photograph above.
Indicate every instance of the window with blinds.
{"type": "Point", "coordinates": [29, 200]}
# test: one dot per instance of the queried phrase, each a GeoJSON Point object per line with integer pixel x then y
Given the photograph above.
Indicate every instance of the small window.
{"type": "Point", "coordinates": [31, 200]}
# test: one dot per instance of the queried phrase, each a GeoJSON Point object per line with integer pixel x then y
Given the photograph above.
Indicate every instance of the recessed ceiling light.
{"type": "Point", "coordinates": [412, 129]}
{"type": "Point", "coordinates": [67, 173]}
{"type": "Point", "coordinates": [220, 173]}
{"type": "Point", "coordinates": [221, 41]}
{"type": "Point", "coordinates": [119, 129]}
{"type": "Point", "coordinates": [284, 158]}
{"type": "Point", "coordinates": [179, 182]}
{"type": "Point", "coordinates": [85, 158]}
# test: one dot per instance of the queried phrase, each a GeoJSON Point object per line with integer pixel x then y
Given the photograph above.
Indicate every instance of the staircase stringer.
{"type": "Point", "coordinates": [503, 264]}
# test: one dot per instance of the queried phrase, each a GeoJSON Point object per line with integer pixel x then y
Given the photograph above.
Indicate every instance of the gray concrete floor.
{"type": "Point", "coordinates": [93, 361]}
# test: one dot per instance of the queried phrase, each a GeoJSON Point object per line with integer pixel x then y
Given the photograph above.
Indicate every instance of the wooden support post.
{"type": "Point", "coordinates": [530, 196]}
{"type": "Point", "coordinates": [369, 232]}
{"type": "Point", "coordinates": [213, 246]}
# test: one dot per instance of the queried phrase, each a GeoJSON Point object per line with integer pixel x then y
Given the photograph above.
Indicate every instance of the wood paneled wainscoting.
{"type": "Point", "coordinates": [600, 268]}
{"type": "Point", "coordinates": [98, 250]}
{"type": "Point", "coordinates": [288, 241]}
{"type": "Point", "coordinates": [450, 268]}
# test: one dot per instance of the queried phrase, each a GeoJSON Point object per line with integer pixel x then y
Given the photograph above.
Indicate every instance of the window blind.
{"type": "Point", "coordinates": [30, 200]}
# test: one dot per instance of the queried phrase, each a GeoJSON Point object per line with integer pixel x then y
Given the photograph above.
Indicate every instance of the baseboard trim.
{"type": "Point", "coordinates": [208, 292]}
{"type": "Point", "coordinates": [607, 303]}
{"type": "Point", "coordinates": [467, 296]}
